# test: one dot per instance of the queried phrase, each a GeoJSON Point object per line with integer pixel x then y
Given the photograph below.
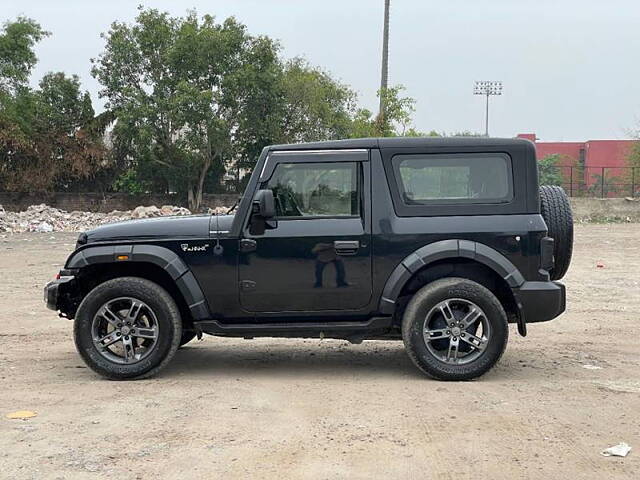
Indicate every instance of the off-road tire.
{"type": "Point", "coordinates": [556, 211]}
{"type": "Point", "coordinates": [169, 322]}
{"type": "Point", "coordinates": [415, 316]}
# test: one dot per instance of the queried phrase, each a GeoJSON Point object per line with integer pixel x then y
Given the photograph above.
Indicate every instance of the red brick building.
{"type": "Point", "coordinates": [599, 161]}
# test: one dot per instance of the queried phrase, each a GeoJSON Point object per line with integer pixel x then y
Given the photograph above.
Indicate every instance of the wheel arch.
{"type": "Point", "coordinates": [449, 258]}
{"type": "Point", "coordinates": [158, 264]}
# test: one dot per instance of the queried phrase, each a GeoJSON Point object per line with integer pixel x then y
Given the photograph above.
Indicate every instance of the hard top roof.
{"type": "Point", "coordinates": [400, 142]}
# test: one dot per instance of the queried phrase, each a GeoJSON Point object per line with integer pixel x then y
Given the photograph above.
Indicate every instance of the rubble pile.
{"type": "Point", "coordinates": [218, 210]}
{"type": "Point", "coordinates": [43, 218]}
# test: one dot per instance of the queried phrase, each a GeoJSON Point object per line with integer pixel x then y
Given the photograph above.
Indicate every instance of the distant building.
{"type": "Point", "coordinates": [593, 157]}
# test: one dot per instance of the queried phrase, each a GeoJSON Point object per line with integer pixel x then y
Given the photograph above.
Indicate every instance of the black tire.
{"type": "Point", "coordinates": [417, 314]}
{"type": "Point", "coordinates": [187, 336]}
{"type": "Point", "coordinates": [556, 211]}
{"type": "Point", "coordinates": [169, 331]}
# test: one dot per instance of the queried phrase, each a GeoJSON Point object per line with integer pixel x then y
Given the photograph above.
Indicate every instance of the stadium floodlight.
{"type": "Point", "coordinates": [487, 88]}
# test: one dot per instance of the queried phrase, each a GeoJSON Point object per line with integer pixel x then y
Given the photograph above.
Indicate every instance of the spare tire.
{"type": "Point", "coordinates": [556, 211]}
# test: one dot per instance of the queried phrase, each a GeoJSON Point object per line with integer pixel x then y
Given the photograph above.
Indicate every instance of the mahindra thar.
{"type": "Point", "coordinates": [438, 242]}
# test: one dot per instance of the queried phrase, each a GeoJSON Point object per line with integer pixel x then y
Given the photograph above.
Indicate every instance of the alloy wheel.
{"type": "Point", "coordinates": [456, 331]}
{"type": "Point", "coordinates": [125, 330]}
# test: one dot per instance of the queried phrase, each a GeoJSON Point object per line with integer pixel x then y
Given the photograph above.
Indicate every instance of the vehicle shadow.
{"type": "Point", "coordinates": [370, 360]}
{"type": "Point", "coordinates": [248, 359]}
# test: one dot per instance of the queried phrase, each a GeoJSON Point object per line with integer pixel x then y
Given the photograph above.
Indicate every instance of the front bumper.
{"type": "Point", "coordinates": [52, 292]}
{"type": "Point", "coordinates": [540, 301]}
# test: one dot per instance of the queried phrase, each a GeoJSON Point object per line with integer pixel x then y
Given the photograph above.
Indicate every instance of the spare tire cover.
{"type": "Point", "coordinates": [556, 211]}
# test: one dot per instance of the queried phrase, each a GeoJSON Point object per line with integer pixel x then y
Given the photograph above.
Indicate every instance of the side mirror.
{"type": "Point", "coordinates": [263, 204]}
{"type": "Point", "coordinates": [263, 211]}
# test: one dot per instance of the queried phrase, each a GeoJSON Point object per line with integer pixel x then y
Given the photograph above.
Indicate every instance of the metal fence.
{"type": "Point", "coordinates": [594, 181]}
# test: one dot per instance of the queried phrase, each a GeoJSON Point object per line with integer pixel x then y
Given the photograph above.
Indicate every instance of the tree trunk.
{"type": "Point", "coordinates": [200, 187]}
{"type": "Point", "coordinates": [191, 197]}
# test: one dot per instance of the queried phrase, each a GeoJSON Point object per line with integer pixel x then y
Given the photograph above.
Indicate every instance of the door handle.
{"type": "Point", "coordinates": [346, 247]}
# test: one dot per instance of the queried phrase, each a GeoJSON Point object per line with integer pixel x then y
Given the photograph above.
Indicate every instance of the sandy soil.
{"type": "Point", "coordinates": [326, 409]}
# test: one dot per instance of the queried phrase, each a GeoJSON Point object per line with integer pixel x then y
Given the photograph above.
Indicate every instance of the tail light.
{"type": "Point", "coordinates": [546, 253]}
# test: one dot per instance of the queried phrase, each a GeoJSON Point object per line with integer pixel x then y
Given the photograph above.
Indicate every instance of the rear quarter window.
{"type": "Point", "coordinates": [425, 179]}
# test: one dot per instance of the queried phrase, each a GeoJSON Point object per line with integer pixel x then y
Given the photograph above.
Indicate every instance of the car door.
{"type": "Point", "coordinates": [318, 256]}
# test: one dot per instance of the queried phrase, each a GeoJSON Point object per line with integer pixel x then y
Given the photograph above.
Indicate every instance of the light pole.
{"type": "Point", "coordinates": [487, 88]}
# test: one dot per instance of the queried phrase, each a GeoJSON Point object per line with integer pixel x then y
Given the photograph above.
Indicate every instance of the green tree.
{"type": "Point", "coordinates": [549, 172]}
{"type": "Point", "coordinates": [604, 186]}
{"type": "Point", "coordinates": [395, 121]}
{"type": "Point", "coordinates": [47, 143]}
{"type": "Point", "coordinates": [633, 161]}
{"type": "Point", "coordinates": [398, 112]}
{"type": "Point", "coordinates": [17, 56]}
{"type": "Point", "coordinates": [62, 105]}
{"type": "Point", "coordinates": [187, 92]}
{"type": "Point", "coordinates": [17, 105]}
{"type": "Point", "coordinates": [293, 102]}
{"type": "Point", "coordinates": [316, 107]}
{"type": "Point", "coordinates": [467, 133]}
{"type": "Point", "coordinates": [194, 98]}
{"type": "Point", "coordinates": [45, 139]}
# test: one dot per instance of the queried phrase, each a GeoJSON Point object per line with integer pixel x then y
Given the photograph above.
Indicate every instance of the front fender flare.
{"type": "Point", "coordinates": [442, 250]}
{"type": "Point", "coordinates": [160, 256]}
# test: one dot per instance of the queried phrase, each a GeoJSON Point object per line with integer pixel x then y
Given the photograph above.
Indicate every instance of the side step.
{"type": "Point", "coordinates": [355, 331]}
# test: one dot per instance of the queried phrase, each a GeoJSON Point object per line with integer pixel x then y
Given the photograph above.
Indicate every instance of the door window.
{"type": "Point", "coordinates": [316, 189]}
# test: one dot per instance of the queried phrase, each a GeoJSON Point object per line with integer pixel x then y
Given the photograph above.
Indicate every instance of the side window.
{"type": "Point", "coordinates": [459, 178]}
{"type": "Point", "coordinates": [316, 189]}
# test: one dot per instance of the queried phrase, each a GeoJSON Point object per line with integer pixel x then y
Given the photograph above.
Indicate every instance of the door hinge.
{"type": "Point", "coordinates": [247, 245]}
{"type": "Point", "coordinates": [247, 285]}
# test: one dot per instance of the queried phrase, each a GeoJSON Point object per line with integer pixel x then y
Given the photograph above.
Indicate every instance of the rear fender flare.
{"type": "Point", "coordinates": [160, 256]}
{"type": "Point", "coordinates": [442, 250]}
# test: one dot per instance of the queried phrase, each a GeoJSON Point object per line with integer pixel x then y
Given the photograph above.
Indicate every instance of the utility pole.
{"type": "Point", "coordinates": [487, 88]}
{"type": "Point", "coordinates": [486, 118]}
{"type": "Point", "coordinates": [385, 58]}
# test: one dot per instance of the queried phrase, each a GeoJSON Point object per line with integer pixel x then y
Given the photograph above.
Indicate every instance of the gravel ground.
{"type": "Point", "coordinates": [272, 408]}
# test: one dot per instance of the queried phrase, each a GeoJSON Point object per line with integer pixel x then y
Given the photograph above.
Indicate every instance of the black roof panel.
{"type": "Point", "coordinates": [399, 142]}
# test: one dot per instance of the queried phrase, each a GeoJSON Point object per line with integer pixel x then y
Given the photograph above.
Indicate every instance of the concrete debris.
{"type": "Point", "coordinates": [45, 219]}
{"type": "Point", "coordinates": [218, 210]}
{"type": "Point", "coordinates": [153, 211]}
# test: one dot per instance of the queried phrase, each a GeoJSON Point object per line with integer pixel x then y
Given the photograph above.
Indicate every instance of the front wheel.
{"type": "Point", "coordinates": [454, 329]}
{"type": "Point", "coordinates": [127, 328]}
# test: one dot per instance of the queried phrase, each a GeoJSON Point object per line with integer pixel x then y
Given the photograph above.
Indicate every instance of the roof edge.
{"type": "Point", "coordinates": [400, 142]}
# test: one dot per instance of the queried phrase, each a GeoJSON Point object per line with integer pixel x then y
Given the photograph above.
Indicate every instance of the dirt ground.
{"type": "Point", "coordinates": [315, 409]}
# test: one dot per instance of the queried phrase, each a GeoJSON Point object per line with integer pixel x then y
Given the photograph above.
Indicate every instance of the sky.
{"type": "Point", "coordinates": [570, 68]}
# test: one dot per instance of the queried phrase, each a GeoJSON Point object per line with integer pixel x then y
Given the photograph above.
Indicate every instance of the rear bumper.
{"type": "Point", "coordinates": [540, 301]}
{"type": "Point", "coordinates": [52, 292]}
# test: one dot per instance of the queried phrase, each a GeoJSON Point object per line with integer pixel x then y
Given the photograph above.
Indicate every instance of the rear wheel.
{"type": "Point", "coordinates": [127, 328]}
{"type": "Point", "coordinates": [454, 329]}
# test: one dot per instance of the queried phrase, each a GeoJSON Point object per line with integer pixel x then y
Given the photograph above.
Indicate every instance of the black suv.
{"type": "Point", "coordinates": [438, 242]}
